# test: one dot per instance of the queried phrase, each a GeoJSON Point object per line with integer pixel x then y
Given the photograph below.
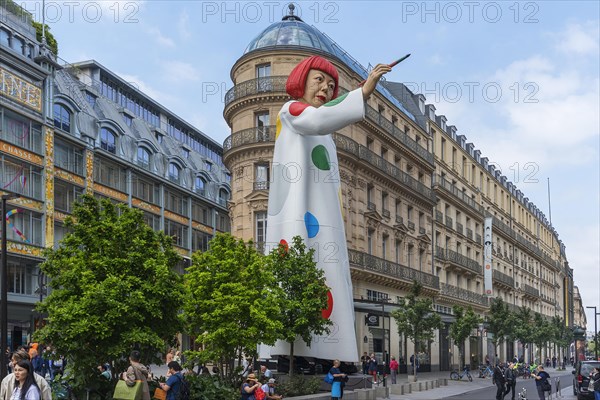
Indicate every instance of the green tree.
{"type": "Point", "coordinates": [462, 327]}
{"type": "Point", "coordinates": [304, 293]}
{"type": "Point", "coordinates": [232, 303]}
{"type": "Point", "coordinates": [497, 322]}
{"type": "Point", "coordinates": [541, 334]}
{"type": "Point", "coordinates": [113, 289]}
{"type": "Point", "coordinates": [521, 323]}
{"type": "Point", "coordinates": [416, 318]}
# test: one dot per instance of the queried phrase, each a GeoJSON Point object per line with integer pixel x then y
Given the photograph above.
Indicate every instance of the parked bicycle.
{"type": "Point", "coordinates": [456, 376]}
{"type": "Point", "coordinates": [485, 371]}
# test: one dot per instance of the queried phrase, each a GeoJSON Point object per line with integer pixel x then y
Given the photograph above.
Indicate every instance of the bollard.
{"type": "Point", "coordinates": [558, 388]}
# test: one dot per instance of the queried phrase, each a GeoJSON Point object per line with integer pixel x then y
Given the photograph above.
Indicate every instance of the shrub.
{"type": "Point", "coordinates": [299, 385]}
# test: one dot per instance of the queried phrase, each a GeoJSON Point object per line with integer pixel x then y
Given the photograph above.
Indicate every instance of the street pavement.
{"type": "Point", "coordinates": [483, 389]}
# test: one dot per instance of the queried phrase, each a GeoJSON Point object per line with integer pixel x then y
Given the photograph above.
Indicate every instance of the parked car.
{"type": "Point", "coordinates": [581, 379]}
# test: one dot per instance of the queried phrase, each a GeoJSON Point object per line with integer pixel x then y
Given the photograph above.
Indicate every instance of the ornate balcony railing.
{"type": "Point", "coordinates": [249, 136]}
{"type": "Point", "coordinates": [262, 185]}
{"type": "Point", "coordinates": [502, 277]}
{"type": "Point", "coordinates": [422, 231]}
{"type": "Point", "coordinates": [470, 233]}
{"type": "Point", "coordinates": [463, 261]}
{"type": "Point", "coordinates": [463, 294]}
{"type": "Point", "coordinates": [449, 222]}
{"type": "Point", "coordinates": [459, 194]}
{"type": "Point", "coordinates": [385, 213]}
{"type": "Point", "coordinates": [374, 116]}
{"type": "Point", "coordinates": [503, 227]}
{"type": "Point", "coordinates": [459, 228]}
{"type": "Point", "coordinates": [410, 225]}
{"type": "Point", "coordinates": [252, 87]}
{"type": "Point", "coordinates": [439, 217]}
{"type": "Point", "coordinates": [399, 220]}
{"type": "Point", "coordinates": [531, 290]}
{"type": "Point", "coordinates": [371, 263]}
{"type": "Point", "coordinates": [371, 206]}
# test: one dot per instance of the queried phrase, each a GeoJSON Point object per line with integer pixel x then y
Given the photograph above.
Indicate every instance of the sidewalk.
{"type": "Point", "coordinates": [453, 388]}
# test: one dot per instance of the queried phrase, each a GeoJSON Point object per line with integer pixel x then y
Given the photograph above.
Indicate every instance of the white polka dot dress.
{"type": "Point", "coordinates": [305, 199]}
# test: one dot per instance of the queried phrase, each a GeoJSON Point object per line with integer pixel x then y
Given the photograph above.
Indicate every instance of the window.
{"type": "Point", "coordinates": [67, 157]}
{"type": "Point", "coordinates": [174, 172]}
{"type": "Point", "coordinates": [200, 213]}
{"type": "Point", "coordinates": [384, 242]}
{"type": "Point", "coordinates": [108, 140]}
{"type": "Point", "coordinates": [178, 232]}
{"type": "Point", "coordinates": [260, 234]}
{"type": "Point", "coordinates": [261, 176]}
{"type": "Point", "coordinates": [263, 81]}
{"type": "Point", "coordinates": [65, 195]}
{"type": "Point", "coordinates": [185, 153]}
{"type": "Point", "coordinates": [261, 122]}
{"type": "Point", "coordinates": [143, 158]}
{"type": "Point", "coordinates": [199, 186]}
{"type": "Point", "coordinates": [176, 203]}
{"type": "Point", "coordinates": [91, 99]}
{"type": "Point", "coordinates": [409, 213]}
{"type": "Point", "coordinates": [145, 190]}
{"type": "Point", "coordinates": [398, 251]}
{"type": "Point", "coordinates": [374, 295]}
{"type": "Point", "coordinates": [223, 197]}
{"type": "Point", "coordinates": [370, 241]}
{"type": "Point", "coordinates": [62, 118]}
{"type": "Point", "coordinates": [18, 45]}
{"type": "Point", "coordinates": [110, 174]}
{"type": "Point", "coordinates": [128, 119]}
{"type": "Point", "coordinates": [200, 240]}
{"type": "Point", "coordinates": [4, 38]}
{"type": "Point", "coordinates": [208, 166]}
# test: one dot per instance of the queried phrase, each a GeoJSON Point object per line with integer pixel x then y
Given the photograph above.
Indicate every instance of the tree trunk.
{"type": "Point", "coordinates": [291, 372]}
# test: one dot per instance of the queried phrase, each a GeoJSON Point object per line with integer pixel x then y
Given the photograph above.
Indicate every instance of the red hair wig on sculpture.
{"type": "Point", "coordinates": [297, 80]}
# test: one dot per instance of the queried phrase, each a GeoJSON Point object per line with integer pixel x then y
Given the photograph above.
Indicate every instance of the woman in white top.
{"type": "Point", "coordinates": [25, 386]}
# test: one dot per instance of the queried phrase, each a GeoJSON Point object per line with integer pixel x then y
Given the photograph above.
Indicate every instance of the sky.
{"type": "Point", "coordinates": [519, 79]}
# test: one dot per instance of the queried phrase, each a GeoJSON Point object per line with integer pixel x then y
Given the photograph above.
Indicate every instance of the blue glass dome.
{"type": "Point", "coordinates": [291, 31]}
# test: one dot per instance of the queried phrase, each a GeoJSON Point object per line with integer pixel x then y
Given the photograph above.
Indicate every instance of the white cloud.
{"type": "Point", "coordinates": [161, 39]}
{"type": "Point", "coordinates": [139, 84]}
{"type": "Point", "coordinates": [183, 25]}
{"type": "Point", "coordinates": [581, 39]}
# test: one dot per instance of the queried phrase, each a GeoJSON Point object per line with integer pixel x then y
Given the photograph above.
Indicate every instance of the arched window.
{"type": "Point", "coordinates": [174, 172]}
{"type": "Point", "coordinates": [223, 196]}
{"type": "Point", "coordinates": [108, 140]}
{"type": "Point", "coordinates": [62, 118]}
{"type": "Point", "coordinates": [143, 158]}
{"type": "Point", "coordinates": [199, 187]}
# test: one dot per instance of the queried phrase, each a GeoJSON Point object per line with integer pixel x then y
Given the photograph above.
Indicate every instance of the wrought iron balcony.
{"type": "Point", "coordinates": [531, 291]}
{"type": "Point", "coordinates": [463, 294]}
{"type": "Point", "coordinates": [374, 116]}
{"type": "Point", "coordinates": [249, 136]}
{"type": "Point", "coordinates": [470, 233]}
{"type": "Point", "coordinates": [253, 87]}
{"type": "Point", "coordinates": [367, 262]}
{"type": "Point", "coordinates": [422, 231]}
{"type": "Point", "coordinates": [440, 181]}
{"type": "Point", "coordinates": [399, 220]}
{"type": "Point", "coordinates": [411, 225]}
{"type": "Point", "coordinates": [386, 213]}
{"type": "Point", "coordinates": [463, 261]}
{"type": "Point", "coordinates": [261, 185]}
{"type": "Point", "coordinates": [439, 216]}
{"type": "Point", "coordinates": [449, 222]}
{"type": "Point", "coordinates": [502, 277]}
{"type": "Point", "coordinates": [459, 228]}
{"type": "Point", "coordinates": [371, 206]}
{"type": "Point", "coordinates": [503, 227]}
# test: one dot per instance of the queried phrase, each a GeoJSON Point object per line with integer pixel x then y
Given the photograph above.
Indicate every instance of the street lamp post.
{"type": "Point", "coordinates": [4, 289]}
{"type": "Point", "coordinates": [595, 331]}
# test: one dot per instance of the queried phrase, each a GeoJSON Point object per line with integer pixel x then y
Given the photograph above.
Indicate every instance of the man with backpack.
{"type": "Point", "coordinates": [177, 387]}
{"type": "Point", "coordinates": [511, 379]}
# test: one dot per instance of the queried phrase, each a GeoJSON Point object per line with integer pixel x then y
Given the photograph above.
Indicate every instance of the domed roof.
{"type": "Point", "coordinates": [292, 31]}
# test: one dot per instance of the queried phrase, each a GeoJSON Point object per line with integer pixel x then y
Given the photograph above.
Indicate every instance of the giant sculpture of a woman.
{"type": "Point", "coordinates": [305, 195]}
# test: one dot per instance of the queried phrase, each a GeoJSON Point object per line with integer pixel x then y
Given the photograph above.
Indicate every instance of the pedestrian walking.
{"type": "Point", "coordinates": [500, 381]}
{"type": "Point", "coordinates": [339, 378]}
{"type": "Point", "coordinates": [365, 363]}
{"type": "Point", "coordinates": [542, 382]}
{"type": "Point", "coordinates": [9, 382]}
{"type": "Point", "coordinates": [510, 374]}
{"type": "Point", "coordinates": [25, 387]}
{"type": "Point", "coordinates": [137, 372]}
{"type": "Point", "coordinates": [373, 368]}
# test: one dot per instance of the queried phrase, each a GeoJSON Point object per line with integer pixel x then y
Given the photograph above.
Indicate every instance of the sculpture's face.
{"type": "Point", "coordinates": [318, 88]}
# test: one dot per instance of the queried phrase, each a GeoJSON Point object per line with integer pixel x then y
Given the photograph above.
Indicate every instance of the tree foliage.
{"type": "Point", "coordinates": [232, 303]}
{"type": "Point", "coordinates": [304, 293]}
{"type": "Point", "coordinates": [113, 289]}
{"type": "Point", "coordinates": [416, 318]}
{"type": "Point", "coordinates": [498, 321]}
{"type": "Point", "coordinates": [462, 327]}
